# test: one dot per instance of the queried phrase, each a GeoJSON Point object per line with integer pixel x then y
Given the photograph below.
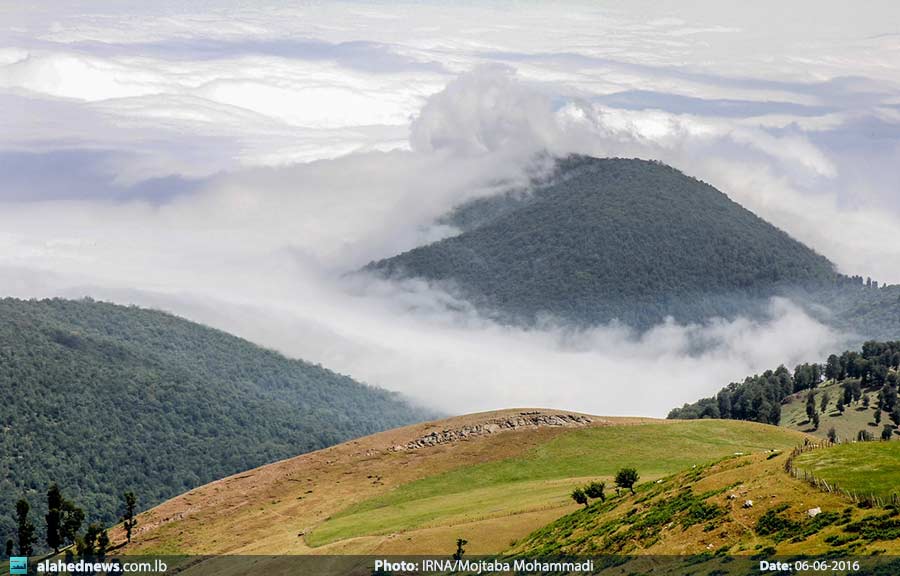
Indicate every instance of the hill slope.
{"type": "Point", "coordinates": [849, 396]}
{"type": "Point", "coordinates": [102, 398]}
{"type": "Point", "coordinates": [611, 239]}
{"type": "Point", "coordinates": [492, 478]}
{"type": "Point", "coordinates": [704, 511]}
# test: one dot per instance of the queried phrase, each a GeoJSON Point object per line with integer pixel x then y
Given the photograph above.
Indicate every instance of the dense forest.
{"type": "Point", "coordinates": [760, 398]}
{"type": "Point", "coordinates": [607, 239]}
{"type": "Point", "coordinates": [104, 399]}
{"type": "Point", "coordinates": [634, 241]}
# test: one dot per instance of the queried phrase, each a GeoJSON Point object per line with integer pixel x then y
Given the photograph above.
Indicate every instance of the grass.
{"type": "Point", "coordinates": [866, 468]}
{"type": "Point", "coordinates": [701, 512]}
{"type": "Point", "coordinates": [545, 475]}
{"type": "Point", "coordinates": [847, 425]}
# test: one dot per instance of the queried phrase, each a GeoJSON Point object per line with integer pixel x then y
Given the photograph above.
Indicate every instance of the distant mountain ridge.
{"type": "Point", "coordinates": [614, 239]}
{"type": "Point", "coordinates": [103, 398]}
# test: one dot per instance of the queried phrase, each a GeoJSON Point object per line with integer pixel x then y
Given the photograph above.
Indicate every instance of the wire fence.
{"type": "Point", "coordinates": [833, 487]}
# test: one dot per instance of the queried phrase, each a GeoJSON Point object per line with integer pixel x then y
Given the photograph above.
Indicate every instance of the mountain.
{"type": "Point", "coordinates": [604, 239]}
{"type": "Point", "coordinates": [847, 397]}
{"type": "Point", "coordinates": [102, 399]}
{"type": "Point", "coordinates": [490, 478]}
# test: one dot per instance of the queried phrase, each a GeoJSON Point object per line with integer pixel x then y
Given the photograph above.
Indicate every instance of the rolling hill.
{"type": "Point", "coordinates": [740, 505]}
{"type": "Point", "coordinates": [102, 399]}
{"type": "Point", "coordinates": [491, 478]}
{"type": "Point", "coordinates": [634, 241]}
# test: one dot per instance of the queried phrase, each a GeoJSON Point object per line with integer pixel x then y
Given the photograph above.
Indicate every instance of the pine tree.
{"type": "Point", "coordinates": [129, 521]}
{"type": "Point", "coordinates": [102, 544]}
{"type": "Point", "coordinates": [823, 406]}
{"type": "Point", "coordinates": [810, 405]}
{"type": "Point", "coordinates": [24, 528]}
{"type": "Point", "coordinates": [53, 517]}
{"type": "Point", "coordinates": [71, 518]}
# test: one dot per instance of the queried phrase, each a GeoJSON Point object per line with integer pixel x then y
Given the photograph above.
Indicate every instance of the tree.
{"type": "Point", "coordinates": [580, 497]}
{"type": "Point", "coordinates": [815, 421]}
{"type": "Point", "coordinates": [877, 416]}
{"type": "Point", "coordinates": [87, 545]}
{"type": "Point", "coordinates": [810, 405]}
{"type": "Point", "coordinates": [595, 490]}
{"type": "Point", "coordinates": [53, 517]}
{"type": "Point", "coordinates": [627, 478]}
{"type": "Point", "coordinates": [866, 401]}
{"type": "Point", "coordinates": [459, 549]}
{"type": "Point", "coordinates": [24, 528]}
{"type": "Point", "coordinates": [823, 406]}
{"type": "Point", "coordinates": [832, 435]}
{"type": "Point", "coordinates": [102, 544]}
{"type": "Point", "coordinates": [833, 367]}
{"type": "Point", "coordinates": [840, 404]}
{"type": "Point", "coordinates": [129, 521]}
{"type": "Point", "coordinates": [886, 432]}
{"type": "Point", "coordinates": [9, 547]}
{"type": "Point", "coordinates": [71, 519]}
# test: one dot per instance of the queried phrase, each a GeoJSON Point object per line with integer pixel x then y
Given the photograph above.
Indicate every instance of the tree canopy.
{"type": "Point", "coordinates": [103, 399]}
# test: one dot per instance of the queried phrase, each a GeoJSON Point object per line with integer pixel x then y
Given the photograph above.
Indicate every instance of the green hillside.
{"type": "Point", "coordinates": [544, 476]}
{"type": "Point", "coordinates": [862, 468]}
{"type": "Point", "coordinates": [103, 398]}
{"type": "Point", "coordinates": [849, 396]}
{"type": "Point", "coordinates": [614, 238]}
{"type": "Point", "coordinates": [741, 505]}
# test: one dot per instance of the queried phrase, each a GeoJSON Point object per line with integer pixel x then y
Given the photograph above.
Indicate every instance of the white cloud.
{"type": "Point", "coordinates": [797, 122]}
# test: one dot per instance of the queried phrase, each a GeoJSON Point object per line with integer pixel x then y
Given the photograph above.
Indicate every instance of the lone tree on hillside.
{"type": "Point", "coordinates": [886, 432]}
{"type": "Point", "coordinates": [627, 478]}
{"type": "Point", "coordinates": [823, 406]}
{"type": "Point", "coordinates": [459, 549]}
{"type": "Point", "coordinates": [832, 435]}
{"type": "Point", "coordinates": [815, 421]}
{"type": "Point", "coordinates": [24, 528]}
{"type": "Point", "coordinates": [579, 496]}
{"type": "Point", "coordinates": [877, 416]}
{"type": "Point", "coordinates": [129, 521]}
{"type": "Point", "coordinates": [595, 490]}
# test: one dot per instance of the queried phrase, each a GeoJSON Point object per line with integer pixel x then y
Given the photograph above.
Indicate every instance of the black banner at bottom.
{"type": "Point", "coordinates": [700, 565]}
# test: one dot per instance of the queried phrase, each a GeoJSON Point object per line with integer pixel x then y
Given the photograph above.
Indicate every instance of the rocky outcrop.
{"type": "Point", "coordinates": [494, 426]}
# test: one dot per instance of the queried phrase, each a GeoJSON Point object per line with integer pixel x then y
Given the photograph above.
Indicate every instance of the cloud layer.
{"type": "Point", "coordinates": [233, 163]}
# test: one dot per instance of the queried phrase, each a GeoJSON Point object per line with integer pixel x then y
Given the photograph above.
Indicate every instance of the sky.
{"type": "Point", "coordinates": [232, 161]}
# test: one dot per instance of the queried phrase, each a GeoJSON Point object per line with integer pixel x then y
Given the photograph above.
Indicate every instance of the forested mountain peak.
{"type": "Point", "coordinates": [613, 238]}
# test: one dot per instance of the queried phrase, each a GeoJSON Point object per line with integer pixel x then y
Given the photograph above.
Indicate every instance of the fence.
{"type": "Point", "coordinates": [833, 488]}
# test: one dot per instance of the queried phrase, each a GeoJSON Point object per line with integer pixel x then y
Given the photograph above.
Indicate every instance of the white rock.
{"type": "Point", "coordinates": [813, 512]}
{"type": "Point", "coordinates": [748, 504]}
